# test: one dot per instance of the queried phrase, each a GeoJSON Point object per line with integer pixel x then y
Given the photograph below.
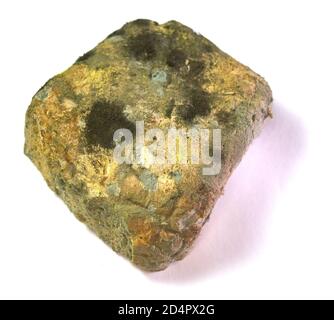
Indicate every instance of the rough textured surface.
{"type": "Point", "coordinates": [166, 75]}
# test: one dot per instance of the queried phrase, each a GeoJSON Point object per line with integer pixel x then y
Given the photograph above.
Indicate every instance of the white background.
{"type": "Point", "coordinates": [270, 236]}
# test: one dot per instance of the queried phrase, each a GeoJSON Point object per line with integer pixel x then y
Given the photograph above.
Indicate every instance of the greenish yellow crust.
{"type": "Point", "coordinates": [168, 76]}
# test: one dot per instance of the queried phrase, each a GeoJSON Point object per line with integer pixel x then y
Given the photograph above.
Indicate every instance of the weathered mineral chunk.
{"type": "Point", "coordinates": [168, 77]}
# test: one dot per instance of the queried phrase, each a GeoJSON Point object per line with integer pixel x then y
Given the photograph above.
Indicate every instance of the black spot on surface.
{"type": "Point", "coordinates": [86, 56]}
{"type": "Point", "coordinates": [199, 105]}
{"type": "Point", "coordinates": [144, 46]}
{"type": "Point", "coordinates": [254, 117]}
{"type": "Point", "coordinates": [176, 59]}
{"type": "Point", "coordinates": [103, 120]}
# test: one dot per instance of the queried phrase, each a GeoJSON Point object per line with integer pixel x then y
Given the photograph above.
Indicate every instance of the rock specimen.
{"type": "Point", "coordinates": [167, 76]}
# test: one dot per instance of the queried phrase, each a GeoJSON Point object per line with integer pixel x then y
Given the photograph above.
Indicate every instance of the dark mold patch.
{"type": "Point", "coordinates": [186, 112]}
{"type": "Point", "coordinates": [176, 59]}
{"type": "Point", "coordinates": [44, 86]}
{"type": "Point", "coordinates": [119, 32]}
{"type": "Point", "coordinates": [201, 101]}
{"type": "Point", "coordinates": [196, 67]}
{"type": "Point", "coordinates": [199, 105]}
{"type": "Point", "coordinates": [103, 120]}
{"type": "Point", "coordinates": [208, 47]}
{"type": "Point", "coordinates": [98, 208]}
{"type": "Point", "coordinates": [144, 22]}
{"type": "Point", "coordinates": [169, 108]}
{"type": "Point", "coordinates": [227, 118]}
{"type": "Point", "coordinates": [144, 46]}
{"type": "Point", "coordinates": [86, 56]}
